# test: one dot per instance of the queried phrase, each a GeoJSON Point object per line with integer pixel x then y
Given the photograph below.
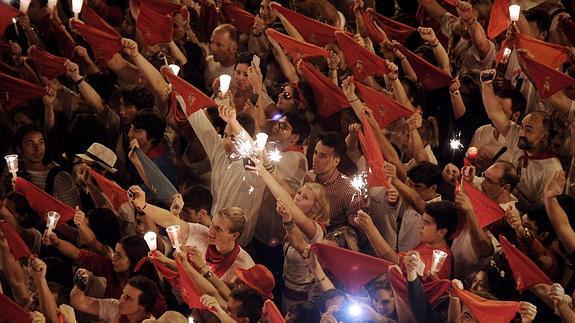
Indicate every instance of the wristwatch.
{"type": "Point", "coordinates": [208, 274]}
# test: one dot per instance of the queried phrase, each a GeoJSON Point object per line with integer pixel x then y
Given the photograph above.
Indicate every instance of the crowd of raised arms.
{"type": "Point", "coordinates": [293, 161]}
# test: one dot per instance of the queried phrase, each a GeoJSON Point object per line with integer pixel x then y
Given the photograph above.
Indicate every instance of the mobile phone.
{"type": "Point", "coordinates": [254, 98]}
{"type": "Point", "coordinates": [487, 76]}
{"type": "Point", "coordinates": [79, 281]}
{"type": "Point", "coordinates": [256, 61]}
{"type": "Point", "coordinates": [506, 53]}
{"type": "Point", "coordinates": [131, 195]}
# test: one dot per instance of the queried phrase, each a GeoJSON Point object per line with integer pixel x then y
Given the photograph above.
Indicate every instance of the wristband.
{"type": "Point", "coordinates": [353, 100]}
{"type": "Point", "coordinates": [82, 79]}
{"type": "Point", "coordinates": [456, 93]}
{"type": "Point", "coordinates": [434, 44]}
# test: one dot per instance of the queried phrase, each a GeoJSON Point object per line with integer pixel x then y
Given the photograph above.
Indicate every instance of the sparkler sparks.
{"type": "Point", "coordinates": [359, 183]}
{"type": "Point", "coordinates": [275, 155]}
{"type": "Point", "coordinates": [455, 144]}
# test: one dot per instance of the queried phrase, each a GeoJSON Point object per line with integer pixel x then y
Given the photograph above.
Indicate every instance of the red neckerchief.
{"type": "Point", "coordinates": [538, 156]}
{"type": "Point", "coordinates": [296, 148]}
{"type": "Point", "coordinates": [157, 151]}
{"type": "Point", "coordinates": [220, 264]}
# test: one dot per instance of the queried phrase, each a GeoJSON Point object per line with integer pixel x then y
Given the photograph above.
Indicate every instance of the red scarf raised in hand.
{"type": "Point", "coordinates": [218, 263]}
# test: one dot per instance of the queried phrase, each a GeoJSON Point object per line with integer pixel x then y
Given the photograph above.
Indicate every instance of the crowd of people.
{"type": "Point", "coordinates": [290, 161]}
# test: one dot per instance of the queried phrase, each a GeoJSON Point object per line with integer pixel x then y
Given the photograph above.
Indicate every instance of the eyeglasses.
{"type": "Point", "coordinates": [286, 95]}
{"type": "Point", "coordinates": [283, 126]}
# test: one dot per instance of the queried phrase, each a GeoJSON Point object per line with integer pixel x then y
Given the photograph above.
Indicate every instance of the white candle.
{"type": "Point", "coordinates": [438, 259]}
{"type": "Point", "coordinates": [24, 4]}
{"type": "Point", "coordinates": [174, 235]}
{"type": "Point", "coordinates": [150, 238]}
{"type": "Point", "coordinates": [53, 218]}
{"type": "Point", "coordinates": [15, 27]}
{"type": "Point", "coordinates": [77, 7]}
{"type": "Point", "coordinates": [261, 140]}
{"type": "Point", "coordinates": [225, 83]}
{"type": "Point", "coordinates": [12, 162]}
{"type": "Point", "coordinates": [175, 69]}
{"type": "Point", "coordinates": [514, 11]}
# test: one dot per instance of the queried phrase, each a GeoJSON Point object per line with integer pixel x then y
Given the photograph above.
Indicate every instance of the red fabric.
{"type": "Point", "coordinates": [433, 289]}
{"type": "Point", "coordinates": [5, 48]}
{"type": "Point", "coordinates": [112, 14]}
{"type": "Point", "coordinates": [14, 91]}
{"type": "Point", "coordinates": [486, 210]}
{"type": "Point", "coordinates": [504, 44]}
{"type": "Point", "coordinates": [371, 28]}
{"type": "Point", "coordinates": [241, 19]}
{"type": "Point", "coordinates": [385, 109]}
{"type": "Point", "coordinates": [546, 80]}
{"type": "Point", "coordinates": [17, 246]}
{"type": "Point", "coordinates": [190, 293]}
{"type": "Point", "coordinates": [499, 18]}
{"type": "Point", "coordinates": [209, 16]}
{"type": "Point", "coordinates": [154, 26]}
{"type": "Point", "coordinates": [525, 272]}
{"type": "Point", "coordinates": [394, 29]}
{"type": "Point", "coordinates": [549, 54]}
{"type": "Point", "coordinates": [272, 313]}
{"type": "Point", "coordinates": [329, 98]}
{"type": "Point", "coordinates": [218, 263]}
{"type": "Point", "coordinates": [7, 12]}
{"type": "Point", "coordinates": [46, 64]}
{"type": "Point", "coordinates": [65, 42]}
{"type": "Point", "coordinates": [104, 45]}
{"type": "Point", "coordinates": [373, 155]}
{"type": "Point", "coordinates": [295, 48]}
{"type": "Point", "coordinates": [568, 27]}
{"type": "Point", "coordinates": [193, 98]}
{"type": "Point", "coordinates": [42, 202]}
{"type": "Point", "coordinates": [430, 76]}
{"type": "Point", "coordinates": [111, 189]}
{"type": "Point", "coordinates": [362, 62]}
{"type": "Point", "coordinates": [352, 269]}
{"type": "Point", "coordinates": [484, 310]}
{"type": "Point", "coordinates": [426, 256]}
{"type": "Point", "coordinates": [166, 7]}
{"type": "Point", "coordinates": [166, 272]}
{"type": "Point", "coordinates": [91, 18]}
{"type": "Point", "coordinates": [311, 30]}
{"type": "Point", "coordinates": [11, 312]}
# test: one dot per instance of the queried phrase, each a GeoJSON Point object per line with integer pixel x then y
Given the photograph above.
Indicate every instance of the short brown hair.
{"type": "Point", "coordinates": [235, 217]}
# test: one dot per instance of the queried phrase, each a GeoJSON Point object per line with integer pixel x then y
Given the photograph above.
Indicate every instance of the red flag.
{"type": "Point", "coordinates": [7, 12]}
{"type": "Point", "coordinates": [362, 62]}
{"type": "Point", "coordinates": [486, 210]}
{"type": "Point", "coordinates": [11, 312]}
{"type": "Point", "coordinates": [272, 313]}
{"type": "Point", "coordinates": [166, 7]}
{"type": "Point", "coordinates": [17, 246]}
{"type": "Point", "coordinates": [568, 27]}
{"type": "Point", "coordinates": [241, 19]}
{"type": "Point", "coordinates": [353, 269]}
{"type": "Point", "coordinates": [111, 189]}
{"type": "Point", "coordinates": [373, 32]}
{"type": "Point", "coordinates": [42, 202]}
{"type": "Point", "coordinates": [395, 29]}
{"type": "Point", "coordinates": [154, 26]}
{"type": "Point", "coordinates": [484, 310]}
{"type": "Point", "coordinates": [385, 109]}
{"type": "Point", "coordinates": [329, 98]}
{"type": "Point", "coordinates": [499, 18]}
{"type": "Point", "coordinates": [433, 289]}
{"type": "Point", "coordinates": [547, 80]}
{"type": "Point", "coordinates": [525, 272]}
{"type": "Point", "coordinates": [14, 91]}
{"type": "Point", "coordinates": [190, 293]}
{"type": "Point", "coordinates": [546, 53]}
{"type": "Point", "coordinates": [190, 98]}
{"type": "Point", "coordinates": [312, 31]}
{"type": "Point", "coordinates": [372, 152]}
{"type": "Point", "coordinates": [104, 45]}
{"type": "Point", "coordinates": [430, 76]}
{"type": "Point", "coordinates": [48, 65]}
{"type": "Point", "coordinates": [295, 48]}
{"type": "Point", "coordinates": [91, 18]}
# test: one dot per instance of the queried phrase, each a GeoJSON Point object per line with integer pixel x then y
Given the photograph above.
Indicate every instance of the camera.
{"type": "Point", "coordinates": [79, 281]}
{"type": "Point", "coordinates": [487, 76]}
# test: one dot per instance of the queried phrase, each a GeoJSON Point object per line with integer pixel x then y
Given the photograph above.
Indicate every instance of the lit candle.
{"type": "Point", "coordinates": [24, 4]}
{"type": "Point", "coordinates": [77, 7]}
{"type": "Point", "coordinates": [15, 27]}
{"type": "Point", "coordinates": [150, 238]}
{"type": "Point", "coordinates": [174, 235]}
{"type": "Point", "coordinates": [12, 162]}
{"type": "Point", "coordinates": [225, 83]}
{"type": "Point", "coordinates": [175, 69]}
{"type": "Point", "coordinates": [261, 140]}
{"type": "Point", "coordinates": [472, 152]}
{"type": "Point", "coordinates": [53, 218]}
{"type": "Point", "coordinates": [438, 259]}
{"type": "Point", "coordinates": [514, 11]}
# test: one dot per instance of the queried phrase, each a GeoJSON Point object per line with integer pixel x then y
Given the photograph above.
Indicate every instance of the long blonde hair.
{"type": "Point", "coordinates": [322, 207]}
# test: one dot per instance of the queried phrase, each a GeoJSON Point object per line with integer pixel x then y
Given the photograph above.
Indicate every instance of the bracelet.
{"type": "Point", "coordinates": [403, 58]}
{"type": "Point", "coordinates": [468, 22]}
{"type": "Point", "coordinates": [322, 279]}
{"type": "Point", "coordinates": [392, 78]}
{"type": "Point", "coordinates": [208, 274]}
{"type": "Point", "coordinates": [434, 44]}
{"type": "Point", "coordinates": [270, 168]}
{"type": "Point", "coordinates": [353, 100]}
{"type": "Point", "coordinates": [456, 93]}
{"type": "Point", "coordinates": [288, 225]}
{"type": "Point", "coordinates": [82, 79]}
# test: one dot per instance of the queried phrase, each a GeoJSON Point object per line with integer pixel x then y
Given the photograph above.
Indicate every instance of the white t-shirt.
{"type": "Point", "coordinates": [296, 272]}
{"type": "Point", "coordinates": [198, 238]}
{"type": "Point", "coordinates": [484, 139]}
{"type": "Point", "coordinates": [109, 310]}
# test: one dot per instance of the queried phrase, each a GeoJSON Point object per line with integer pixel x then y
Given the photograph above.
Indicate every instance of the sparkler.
{"type": "Point", "coordinates": [455, 145]}
{"type": "Point", "coordinates": [359, 183]}
{"type": "Point", "coordinates": [16, 27]}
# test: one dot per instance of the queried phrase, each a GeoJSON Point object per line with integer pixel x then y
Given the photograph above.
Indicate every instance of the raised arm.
{"type": "Point", "coordinates": [201, 283]}
{"type": "Point", "coordinates": [37, 270]}
{"type": "Point", "coordinates": [149, 72]}
{"type": "Point", "coordinates": [382, 248]}
{"type": "Point", "coordinates": [13, 273]}
{"type": "Point", "coordinates": [480, 242]}
{"type": "Point", "coordinates": [285, 64]}
{"type": "Point", "coordinates": [474, 28]}
{"type": "Point", "coordinates": [428, 36]}
{"type": "Point", "coordinates": [125, 70]}
{"type": "Point", "coordinates": [83, 303]}
{"type": "Point", "coordinates": [91, 97]}
{"type": "Point", "coordinates": [493, 109]}
{"type": "Point", "coordinates": [557, 215]}
{"type": "Point", "coordinates": [434, 9]}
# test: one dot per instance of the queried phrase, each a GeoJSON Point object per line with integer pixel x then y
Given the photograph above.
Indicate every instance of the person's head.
{"type": "Point", "coordinates": [328, 153]}
{"type": "Point", "coordinates": [30, 143]}
{"type": "Point", "coordinates": [438, 222]}
{"type": "Point", "coordinates": [241, 73]}
{"type": "Point", "coordinates": [343, 237]}
{"type": "Point", "coordinates": [536, 132]}
{"type": "Point", "coordinates": [197, 204]}
{"type": "Point", "coordinates": [302, 312]}
{"type": "Point", "coordinates": [499, 178]}
{"type": "Point", "coordinates": [227, 226]}
{"type": "Point", "coordinates": [540, 22]}
{"type": "Point", "coordinates": [382, 298]}
{"type": "Point", "coordinates": [19, 206]}
{"type": "Point", "coordinates": [245, 305]}
{"type": "Point", "coordinates": [424, 178]}
{"type": "Point", "coordinates": [537, 222]}
{"type": "Point", "coordinates": [224, 43]}
{"type": "Point", "coordinates": [247, 122]}
{"type": "Point", "coordinates": [128, 251]}
{"type": "Point", "coordinates": [491, 279]}
{"type": "Point", "coordinates": [313, 201]}
{"type": "Point", "coordinates": [258, 278]}
{"type": "Point", "coordinates": [329, 298]}
{"type": "Point", "coordinates": [294, 97]}
{"type": "Point", "coordinates": [138, 297]}
{"type": "Point", "coordinates": [266, 13]}
{"type": "Point", "coordinates": [134, 100]}
{"type": "Point", "coordinates": [147, 128]}
{"type": "Point", "coordinates": [512, 102]}
{"type": "Point", "coordinates": [104, 224]}
{"type": "Point", "coordinates": [292, 129]}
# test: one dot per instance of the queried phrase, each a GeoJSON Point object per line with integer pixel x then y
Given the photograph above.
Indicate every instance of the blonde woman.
{"type": "Point", "coordinates": [304, 219]}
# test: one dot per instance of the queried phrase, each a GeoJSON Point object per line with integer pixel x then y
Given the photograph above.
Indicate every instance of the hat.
{"type": "Point", "coordinates": [329, 98]}
{"type": "Point", "coordinates": [485, 310]}
{"type": "Point", "coordinates": [360, 60]}
{"type": "Point", "coordinates": [116, 194]}
{"type": "Point", "coordinates": [525, 272]}
{"type": "Point", "coordinates": [154, 26]}
{"type": "Point", "coordinates": [46, 64]}
{"type": "Point", "coordinates": [373, 155]}
{"type": "Point", "coordinates": [258, 278]}
{"type": "Point", "coordinates": [549, 54]}
{"type": "Point", "coordinates": [499, 18]}
{"type": "Point", "coordinates": [385, 109]}
{"type": "Point", "coordinates": [395, 29]}
{"type": "Point", "coordinates": [429, 75]}
{"type": "Point", "coordinates": [91, 18]}
{"type": "Point", "coordinates": [42, 202]}
{"type": "Point", "coordinates": [295, 48]}
{"type": "Point", "coordinates": [14, 91]}
{"type": "Point", "coordinates": [7, 12]}
{"type": "Point", "coordinates": [486, 210]}
{"type": "Point", "coordinates": [12, 312]}
{"type": "Point", "coordinates": [546, 79]}
{"type": "Point", "coordinates": [238, 17]}
{"type": "Point", "coordinates": [272, 313]}
{"type": "Point", "coordinates": [104, 44]}
{"type": "Point", "coordinates": [100, 155]}
{"type": "Point", "coordinates": [189, 98]}
{"type": "Point", "coordinates": [17, 246]}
